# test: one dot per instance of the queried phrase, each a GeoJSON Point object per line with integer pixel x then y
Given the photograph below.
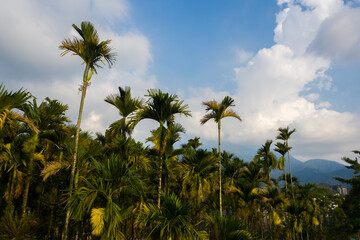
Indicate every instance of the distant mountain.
{"type": "Point", "coordinates": [323, 165]}
{"type": "Point", "coordinates": [317, 171]}
{"type": "Point", "coordinates": [314, 170]}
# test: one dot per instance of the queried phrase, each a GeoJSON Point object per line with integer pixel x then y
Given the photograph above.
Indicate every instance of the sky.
{"type": "Point", "coordinates": [285, 63]}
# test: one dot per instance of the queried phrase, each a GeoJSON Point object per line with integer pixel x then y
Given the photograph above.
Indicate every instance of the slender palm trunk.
{"type": "Point", "coordinates": [160, 179]}
{"type": "Point", "coordinates": [307, 233]}
{"type": "Point", "coordinates": [270, 213]}
{"type": "Point", "coordinates": [26, 191]}
{"type": "Point", "coordinates": [161, 160]}
{"type": "Point", "coordinates": [220, 199]}
{"type": "Point", "coordinates": [291, 182]}
{"type": "Point", "coordinates": [49, 234]}
{"type": "Point", "coordinates": [11, 188]}
{"type": "Point", "coordinates": [72, 175]}
{"type": "Point", "coordinates": [285, 177]}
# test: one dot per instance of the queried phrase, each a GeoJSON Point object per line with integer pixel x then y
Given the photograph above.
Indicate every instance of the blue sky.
{"type": "Point", "coordinates": [285, 62]}
{"type": "Point", "coordinates": [194, 40]}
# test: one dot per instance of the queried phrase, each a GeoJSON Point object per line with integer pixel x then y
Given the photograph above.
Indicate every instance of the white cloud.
{"type": "Point", "coordinates": [93, 122]}
{"type": "Point", "coordinates": [111, 9]}
{"type": "Point", "coordinates": [192, 125]}
{"type": "Point", "coordinates": [323, 105]}
{"type": "Point", "coordinates": [309, 36]}
{"type": "Point", "coordinates": [133, 50]}
{"type": "Point", "coordinates": [33, 30]}
{"type": "Point", "coordinates": [312, 97]}
{"type": "Point", "coordinates": [296, 27]}
{"type": "Point", "coordinates": [30, 57]}
{"type": "Point", "coordinates": [242, 56]}
{"type": "Point", "coordinates": [339, 36]}
{"type": "Point", "coordinates": [271, 85]}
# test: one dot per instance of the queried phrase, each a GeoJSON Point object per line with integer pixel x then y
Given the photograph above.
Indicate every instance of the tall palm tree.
{"type": "Point", "coordinates": [49, 118]}
{"type": "Point", "coordinates": [198, 171]}
{"type": "Point", "coordinates": [274, 200]}
{"type": "Point", "coordinates": [102, 195]}
{"type": "Point", "coordinates": [126, 106]}
{"type": "Point", "coordinates": [169, 154]}
{"type": "Point", "coordinates": [282, 149]}
{"type": "Point", "coordinates": [306, 198]}
{"type": "Point", "coordinates": [11, 159]}
{"type": "Point", "coordinates": [218, 111]}
{"type": "Point", "coordinates": [161, 107]}
{"type": "Point", "coordinates": [92, 51]}
{"type": "Point", "coordinates": [284, 134]}
{"type": "Point", "coordinates": [267, 159]}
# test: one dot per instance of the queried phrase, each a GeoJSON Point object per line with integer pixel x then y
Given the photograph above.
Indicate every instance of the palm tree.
{"type": "Point", "coordinates": [29, 148]}
{"type": "Point", "coordinates": [49, 118]}
{"type": "Point", "coordinates": [102, 195]}
{"type": "Point", "coordinates": [171, 221]}
{"type": "Point", "coordinates": [14, 227]}
{"type": "Point", "coordinates": [227, 228]}
{"type": "Point", "coordinates": [126, 106]}
{"type": "Point", "coordinates": [9, 101]}
{"type": "Point", "coordinates": [218, 111]}
{"type": "Point", "coordinates": [170, 154]}
{"type": "Point", "coordinates": [267, 159]}
{"type": "Point", "coordinates": [197, 167]}
{"type": "Point", "coordinates": [284, 134]}
{"type": "Point", "coordinates": [11, 159]}
{"type": "Point", "coordinates": [274, 200]}
{"type": "Point", "coordinates": [92, 51]}
{"type": "Point", "coordinates": [232, 167]}
{"type": "Point", "coordinates": [161, 107]}
{"type": "Point", "coordinates": [282, 149]}
{"type": "Point", "coordinates": [193, 143]}
{"type": "Point", "coordinates": [306, 198]}
{"type": "Point", "coordinates": [247, 190]}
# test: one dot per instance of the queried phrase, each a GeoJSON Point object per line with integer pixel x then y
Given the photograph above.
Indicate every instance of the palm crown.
{"type": "Point", "coordinates": [285, 133]}
{"type": "Point", "coordinates": [219, 110]}
{"type": "Point", "coordinates": [127, 106]}
{"type": "Point", "coordinates": [9, 101]}
{"type": "Point", "coordinates": [89, 47]}
{"type": "Point", "coordinates": [124, 102]}
{"type": "Point", "coordinates": [161, 107]}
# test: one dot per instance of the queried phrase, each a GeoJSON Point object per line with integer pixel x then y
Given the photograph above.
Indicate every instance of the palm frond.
{"type": "Point", "coordinates": [218, 111]}
{"type": "Point", "coordinates": [97, 220]}
{"type": "Point", "coordinates": [231, 113]}
{"type": "Point", "coordinates": [52, 168]}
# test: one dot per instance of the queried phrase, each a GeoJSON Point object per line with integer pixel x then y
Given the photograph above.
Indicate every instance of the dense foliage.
{"type": "Point", "coordinates": [116, 183]}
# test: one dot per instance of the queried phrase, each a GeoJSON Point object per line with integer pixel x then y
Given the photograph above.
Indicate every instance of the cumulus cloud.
{"type": "Point", "coordinates": [113, 9]}
{"type": "Point", "coordinates": [133, 50]}
{"type": "Point", "coordinates": [339, 36]}
{"type": "Point", "coordinates": [32, 32]}
{"type": "Point", "coordinates": [242, 56]}
{"type": "Point", "coordinates": [312, 97]}
{"type": "Point", "coordinates": [274, 88]}
{"type": "Point", "coordinates": [30, 57]}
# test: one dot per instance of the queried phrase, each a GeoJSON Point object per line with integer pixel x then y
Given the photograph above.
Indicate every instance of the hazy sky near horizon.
{"type": "Point", "coordinates": [285, 62]}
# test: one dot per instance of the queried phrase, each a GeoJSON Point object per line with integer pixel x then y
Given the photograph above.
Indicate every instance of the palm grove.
{"type": "Point", "coordinates": [60, 182]}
